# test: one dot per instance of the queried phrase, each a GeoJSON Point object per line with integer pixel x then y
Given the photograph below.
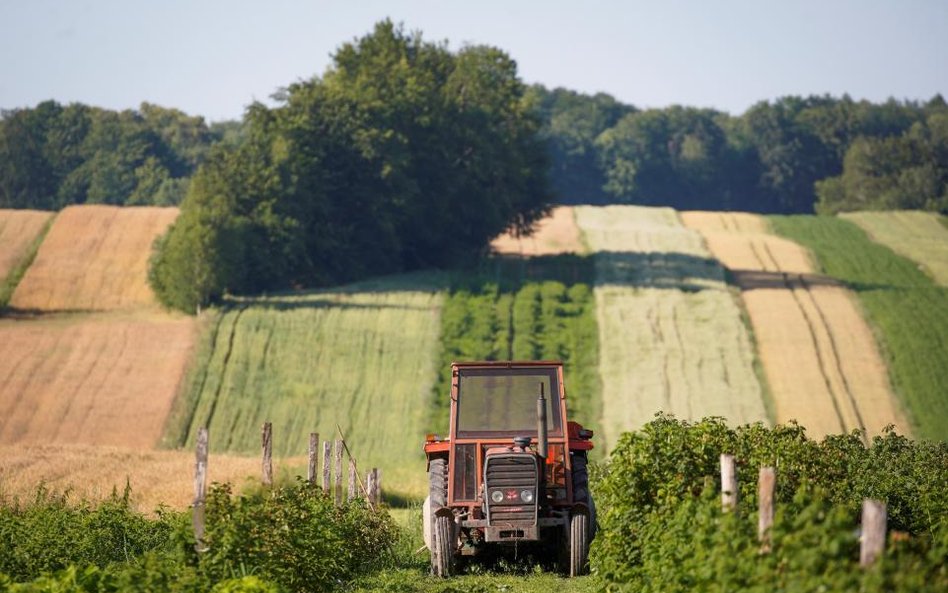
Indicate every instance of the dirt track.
{"type": "Point", "coordinates": [91, 379]}
{"type": "Point", "coordinates": [94, 258]}
{"type": "Point", "coordinates": [819, 355]}
{"type": "Point", "coordinates": [555, 234]}
{"type": "Point", "coordinates": [18, 229]}
{"type": "Point", "coordinates": [670, 333]}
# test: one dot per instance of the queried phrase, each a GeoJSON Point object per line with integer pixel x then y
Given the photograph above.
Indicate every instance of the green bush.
{"type": "Point", "coordinates": [294, 537]}
{"type": "Point", "coordinates": [662, 528]}
{"type": "Point", "coordinates": [49, 534]}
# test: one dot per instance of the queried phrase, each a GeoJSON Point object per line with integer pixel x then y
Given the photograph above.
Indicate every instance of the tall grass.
{"type": "Point", "coordinates": [908, 311]}
{"type": "Point", "coordinates": [361, 356]}
{"type": "Point", "coordinates": [537, 308]}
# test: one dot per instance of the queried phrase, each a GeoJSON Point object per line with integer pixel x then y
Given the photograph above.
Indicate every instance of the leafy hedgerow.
{"type": "Point", "coordinates": [662, 528]}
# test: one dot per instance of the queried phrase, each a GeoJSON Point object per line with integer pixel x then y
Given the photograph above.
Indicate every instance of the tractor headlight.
{"type": "Point", "coordinates": [526, 496]}
{"type": "Point", "coordinates": [497, 496]}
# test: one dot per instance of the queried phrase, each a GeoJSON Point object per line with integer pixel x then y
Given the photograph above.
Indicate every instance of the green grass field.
{"type": "Point", "coordinates": [362, 356]}
{"type": "Point", "coordinates": [512, 308]}
{"type": "Point", "coordinates": [919, 236]}
{"type": "Point", "coordinates": [908, 311]}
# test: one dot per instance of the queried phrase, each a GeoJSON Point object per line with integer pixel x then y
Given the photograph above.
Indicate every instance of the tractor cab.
{"type": "Point", "coordinates": [511, 469]}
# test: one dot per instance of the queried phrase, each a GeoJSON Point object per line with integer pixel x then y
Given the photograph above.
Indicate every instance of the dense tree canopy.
{"type": "Point", "coordinates": [402, 155]}
{"type": "Point", "coordinates": [52, 156]}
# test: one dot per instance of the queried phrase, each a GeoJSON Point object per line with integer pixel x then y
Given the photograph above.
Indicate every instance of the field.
{"type": "Point", "coordinates": [90, 472]}
{"type": "Point", "coordinates": [920, 236]}
{"type": "Point", "coordinates": [671, 336]}
{"type": "Point", "coordinates": [554, 235]}
{"type": "Point", "coordinates": [361, 356]}
{"type": "Point", "coordinates": [20, 232]}
{"type": "Point", "coordinates": [818, 354]}
{"type": "Point", "coordinates": [105, 379]}
{"type": "Point", "coordinates": [93, 258]}
{"type": "Point", "coordinates": [908, 312]}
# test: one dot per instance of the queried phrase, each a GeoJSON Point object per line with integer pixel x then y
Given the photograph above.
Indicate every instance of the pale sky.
{"type": "Point", "coordinates": [212, 58]}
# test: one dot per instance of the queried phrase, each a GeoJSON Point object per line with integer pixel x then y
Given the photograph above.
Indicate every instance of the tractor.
{"type": "Point", "coordinates": [511, 472]}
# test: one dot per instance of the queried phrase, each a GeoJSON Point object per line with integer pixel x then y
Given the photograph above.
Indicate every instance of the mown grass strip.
{"type": "Point", "coordinates": [513, 308]}
{"type": "Point", "coordinates": [908, 311]}
{"type": "Point", "coordinates": [919, 236]}
{"type": "Point", "coordinates": [8, 285]}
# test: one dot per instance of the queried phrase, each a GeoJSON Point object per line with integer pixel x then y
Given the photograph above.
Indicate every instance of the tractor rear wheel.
{"type": "Point", "coordinates": [578, 544]}
{"type": "Point", "coordinates": [442, 556]}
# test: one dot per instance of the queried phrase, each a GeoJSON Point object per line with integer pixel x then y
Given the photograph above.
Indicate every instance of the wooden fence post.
{"type": "Point", "coordinates": [267, 439]}
{"type": "Point", "coordinates": [200, 490]}
{"type": "Point", "coordinates": [765, 485]}
{"type": "Point", "coordinates": [370, 487]}
{"type": "Point", "coordinates": [338, 474]}
{"type": "Point", "coordinates": [378, 484]}
{"type": "Point", "coordinates": [872, 540]}
{"type": "Point", "coordinates": [327, 465]}
{"type": "Point", "coordinates": [728, 483]}
{"type": "Point", "coordinates": [352, 479]}
{"type": "Point", "coordinates": [312, 467]}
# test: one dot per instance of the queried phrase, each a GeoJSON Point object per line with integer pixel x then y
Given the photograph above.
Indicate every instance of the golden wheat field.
{"type": "Point", "coordinates": [91, 379]}
{"type": "Point", "coordinates": [94, 258]}
{"type": "Point", "coordinates": [670, 333]}
{"type": "Point", "coordinates": [92, 472]}
{"type": "Point", "coordinates": [818, 353]}
{"type": "Point", "coordinates": [18, 230]}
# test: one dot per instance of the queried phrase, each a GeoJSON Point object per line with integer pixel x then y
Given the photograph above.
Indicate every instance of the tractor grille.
{"type": "Point", "coordinates": [511, 474]}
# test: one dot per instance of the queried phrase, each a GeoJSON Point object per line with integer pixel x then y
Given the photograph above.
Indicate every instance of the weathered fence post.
{"type": "Point", "coordinates": [200, 490]}
{"type": "Point", "coordinates": [327, 465]}
{"type": "Point", "coordinates": [338, 474]}
{"type": "Point", "coordinates": [728, 483]}
{"type": "Point", "coordinates": [370, 487]}
{"type": "Point", "coordinates": [872, 540]}
{"type": "Point", "coordinates": [765, 516]}
{"type": "Point", "coordinates": [267, 439]}
{"type": "Point", "coordinates": [311, 468]}
{"type": "Point", "coordinates": [352, 479]}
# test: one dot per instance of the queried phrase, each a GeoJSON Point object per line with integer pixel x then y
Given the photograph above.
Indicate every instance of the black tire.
{"type": "Point", "coordinates": [442, 528]}
{"type": "Point", "coordinates": [578, 544]}
{"type": "Point", "coordinates": [442, 556]}
{"type": "Point", "coordinates": [581, 491]}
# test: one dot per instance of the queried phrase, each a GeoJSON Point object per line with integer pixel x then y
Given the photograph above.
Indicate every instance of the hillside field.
{"type": "Point", "coordinates": [20, 230]}
{"type": "Point", "coordinates": [819, 356]}
{"type": "Point", "coordinates": [919, 236]}
{"type": "Point", "coordinates": [907, 310]}
{"type": "Point", "coordinates": [94, 258]}
{"type": "Point", "coordinates": [671, 337]}
{"type": "Point", "coordinates": [362, 356]}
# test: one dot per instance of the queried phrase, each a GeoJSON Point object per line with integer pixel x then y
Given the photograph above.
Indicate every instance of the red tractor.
{"type": "Point", "coordinates": [512, 469]}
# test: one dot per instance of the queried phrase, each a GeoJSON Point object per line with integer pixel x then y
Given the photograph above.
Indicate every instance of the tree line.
{"type": "Point", "coordinates": [406, 154]}
{"type": "Point", "coordinates": [792, 155]}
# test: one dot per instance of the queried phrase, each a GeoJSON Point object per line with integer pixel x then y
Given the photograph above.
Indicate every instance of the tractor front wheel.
{"type": "Point", "coordinates": [578, 544]}
{"type": "Point", "coordinates": [442, 554]}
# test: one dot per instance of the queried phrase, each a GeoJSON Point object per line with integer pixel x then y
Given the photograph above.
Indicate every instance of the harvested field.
{"type": "Point", "coordinates": [90, 473]}
{"type": "Point", "coordinates": [94, 258]}
{"type": "Point", "coordinates": [819, 355]}
{"type": "Point", "coordinates": [105, 379]}
{"type": "Point", "coordinates": [919, 236]}
{"type": "Point", "coordinates": [362, 356]}
{"type": "Point", "coordinates": [670, 333]}
{"type": "Point", "coordinates": [18, 230]}
{"type": "Point", "coordinates": [553, 235]}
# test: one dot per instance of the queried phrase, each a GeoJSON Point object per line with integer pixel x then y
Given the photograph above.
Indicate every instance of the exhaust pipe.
{"type": "Point", "coordinates": [541, 446]}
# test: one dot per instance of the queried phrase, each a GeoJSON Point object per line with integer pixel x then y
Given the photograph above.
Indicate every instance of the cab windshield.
{"type": "Point", "coordinates": [503, 401]}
